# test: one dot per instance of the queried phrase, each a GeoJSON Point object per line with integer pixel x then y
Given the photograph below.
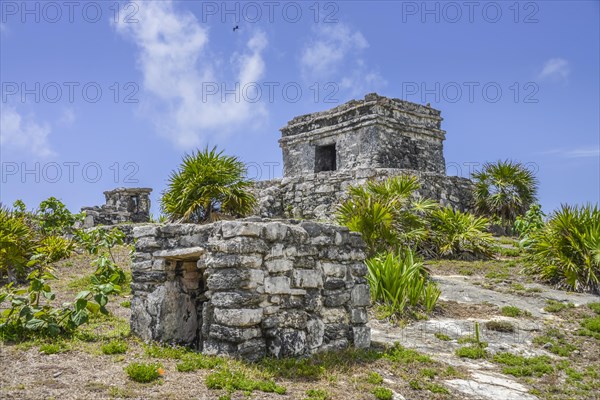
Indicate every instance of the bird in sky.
{"type": "Point", "coordinates": [235, 28]}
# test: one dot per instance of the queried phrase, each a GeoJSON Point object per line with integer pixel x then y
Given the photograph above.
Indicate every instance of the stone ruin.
{"type": "Point", "coordinates": [251, 287]}
{"type": "Point", "coordinates": [256, 286]}
{"type": "Point", "coordinates": [122, 205]}
{"type": "Point", "coordinates": [378, 137]}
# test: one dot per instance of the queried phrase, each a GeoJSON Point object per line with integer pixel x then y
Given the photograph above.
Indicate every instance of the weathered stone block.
{"type": "Point", "coordinates": [362, 336]}
{"type": "Point", "coordinates": [238, 317]}
{"type": "Point", "coordinates": [361, 296]}
{"type": "Point", "coordinates": [359, 316]}
{"type": "Point", "coordinates": [279, 265]}
{"type": "Point", "coordinates": [277, 285]}
{"type": "Point", "coordinates": [233, 334]}
{"type": "Point", "coordinates": [307, 278]}
{"type": "Point", "coordinates": [234, 228]}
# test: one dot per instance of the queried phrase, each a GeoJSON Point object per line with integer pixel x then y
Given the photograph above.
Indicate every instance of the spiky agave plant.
{"type": "Point", "coordinates": [399, 281]}
{"type": "Point", "coordinates": [207, 185]}
{"type": "Point", "coordinates": [566, 252]}
{"type": "Point", "coordinates": [504, 190]}
{"type": "Point", "coordinates": [457, 234]}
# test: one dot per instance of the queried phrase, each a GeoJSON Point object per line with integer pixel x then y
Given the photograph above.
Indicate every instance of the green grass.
{"type": "Point", "coordinates": [557, 341]}
{"type": "Point", "coordinates": [317, 394]}
{"type": "Point", "coordinates": [402, 355]}
{"type": "Point", "coordinates": [382, 393]}
{"type": "Point", "coordinates": [590, 327]}
{"type": "Point", "coordinates": [512, 311]}
{"type": "Point", "coordinates": [442, 336]}
{"type": "Point", "coordinates": [472, 352]}
{"type": "Point", "coordinates": [500, 326]}
{"type": "Point", "coordinates": [195, 361]}
{"type": "Point", "coordinates": [232, 380]}
{"type": "Point", "coordinates": [143, 373]}
{"type": "Point", "coordinates": [595, 307]}
{"type": "Point", "coordinates": [374, 378]}
{"type": "Point", "coordinates": [554, 306]}
{"type": "Point", "coordinates": [53, 348]}
{"type": "Point", "coordinates": [114, 347]}
{"type": "Point", "coordinates": [518, 366]}
{"type": "Point", "coordinates": [125, 304]}
{"type": "Point", "coordinates": [165, 352]}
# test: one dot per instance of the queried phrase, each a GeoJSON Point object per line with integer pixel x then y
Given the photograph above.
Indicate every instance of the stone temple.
{"type": "Point", "coordinates": [280, 283]}
{"type": "Point", "coordinates": [374, 138]}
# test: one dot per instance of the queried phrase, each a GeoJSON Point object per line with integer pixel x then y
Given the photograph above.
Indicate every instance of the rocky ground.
{"type": "Point", "coordinates": [534, 342]}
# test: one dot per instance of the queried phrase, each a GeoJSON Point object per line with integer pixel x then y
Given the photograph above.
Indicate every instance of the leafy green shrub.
{"type": "Point", "coordinates": [55, 219]}
{"type": "Point", "coordinates": [382, 393]}
{"type": "Point", "coordinates": [208, 184]}
{"type": "Point", "coordinates": [531, 222]}
{"type": "Point", "coordinates": [114, 347]}
{"type": "Point", "coordinates": [456, 234]}
{"type": "Point", "coordinates": [54, 248]}
{"type": "Point", "coordinates": [503, 191]}
{"type": "Point", "coordinates": [386, 213]}
{"type": "Point", "coordinates": [566, 252]}
{"type": "Point", "coordinates": [400, 281]}
{"type": "Point", "coordinates": [17, 243]}
{"type": "Point", "coordinates": [144, 373]}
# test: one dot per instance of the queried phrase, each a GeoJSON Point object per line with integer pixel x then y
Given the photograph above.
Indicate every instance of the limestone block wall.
{"type": "Point", "coordinates": [316, 196]}
{"type": "Point", "coordinates": [251, 287]}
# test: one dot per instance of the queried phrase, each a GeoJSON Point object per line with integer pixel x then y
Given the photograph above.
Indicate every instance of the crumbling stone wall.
{"type": "Point", "coordinates": [122, 205]}
{"type": "Point", "coordinates": [251, 287]}
{"type": "Point", "coordinates": [316, 196]}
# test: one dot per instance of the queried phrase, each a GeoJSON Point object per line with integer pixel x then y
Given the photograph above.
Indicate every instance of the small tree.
{"type": "Point", "coordinates": [503, 191]}
{"type": "Point", "coordinates": [207, 186]}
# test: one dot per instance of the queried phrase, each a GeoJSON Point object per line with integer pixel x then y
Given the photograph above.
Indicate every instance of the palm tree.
{"type": "Point", "coordinates": [207, 186]}
{"type": "Point", "coordinates": [504, 190]}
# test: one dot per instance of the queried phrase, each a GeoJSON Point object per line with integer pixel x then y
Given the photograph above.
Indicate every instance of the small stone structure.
{"type": "Point", "coordinates": [374, 138]}
{"type": "Point", "coordinates": [122, 205]}
{"type": "Point", "coordinates": [251, 287]}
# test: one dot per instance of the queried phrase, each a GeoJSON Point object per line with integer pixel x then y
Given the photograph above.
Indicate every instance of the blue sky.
{"type": "Point", "coordinates": [97, 95]}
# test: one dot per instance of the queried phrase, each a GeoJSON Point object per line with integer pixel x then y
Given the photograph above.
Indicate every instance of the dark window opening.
{"type": "Point", "coordinates": [325, 158]}
{"type": "Point", "coordinates": [134, 204]}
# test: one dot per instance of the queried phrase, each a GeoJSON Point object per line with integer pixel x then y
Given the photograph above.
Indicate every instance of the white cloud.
{"type": "Point", "coordinates": [579, 152]}
{"type": "Point", "coordinates": [177, 67]}
{"type": "Point", "coordinates": [18, 133]}
{"type": "Point", "coordinates": [67, 117]}
{"type": "Point", "coordinates": [334, 53]}
{"type": "Point", "coordinates": [556, 69]}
